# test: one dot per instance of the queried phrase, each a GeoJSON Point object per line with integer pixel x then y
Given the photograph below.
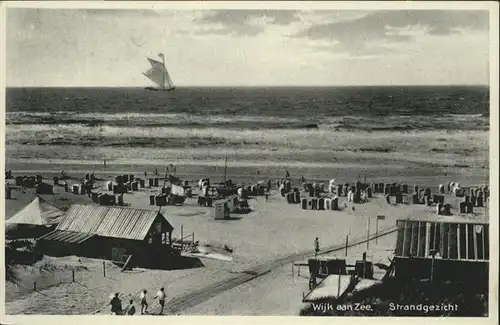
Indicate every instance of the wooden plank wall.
{"type": "Point", "coordinates": [451, 240]}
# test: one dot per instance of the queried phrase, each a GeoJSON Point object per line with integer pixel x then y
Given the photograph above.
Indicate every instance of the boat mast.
{"type": "Point", "coordinates": [164, 72]}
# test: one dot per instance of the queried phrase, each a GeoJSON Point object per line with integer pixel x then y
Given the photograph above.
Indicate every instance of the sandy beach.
{"type": "Point", "coordinates": [311, 93]}
{"type": "Point", "coordinates": [273, 231]}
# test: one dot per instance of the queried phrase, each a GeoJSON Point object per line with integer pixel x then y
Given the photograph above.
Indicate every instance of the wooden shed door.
{"type": "Point", "coordinates": [118, 254]}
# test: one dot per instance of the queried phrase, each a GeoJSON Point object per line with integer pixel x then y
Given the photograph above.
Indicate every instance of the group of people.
{"type": "Point", "coordinates": [129, 310]}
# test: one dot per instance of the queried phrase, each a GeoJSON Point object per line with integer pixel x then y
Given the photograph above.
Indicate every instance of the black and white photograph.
{"type": "Point", "coordinates": [240, 158]}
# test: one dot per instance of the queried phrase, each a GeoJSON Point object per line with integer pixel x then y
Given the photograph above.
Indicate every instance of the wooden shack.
{"type": "Point", "coordinates": [460, 249]}
{"type": "Point", "coordinates": [112, 233]}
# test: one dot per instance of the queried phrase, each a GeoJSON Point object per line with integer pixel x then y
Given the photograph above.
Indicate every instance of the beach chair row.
{"type": "Point", "coordinates": [320, 204]}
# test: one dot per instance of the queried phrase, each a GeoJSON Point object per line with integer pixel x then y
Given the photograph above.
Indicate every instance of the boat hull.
{"type": "Point", "coordinates": [158, 89]}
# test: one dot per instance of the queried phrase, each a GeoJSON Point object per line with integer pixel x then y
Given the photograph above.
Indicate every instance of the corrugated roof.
{"type": "Point", "coordinates": [107, 221]}
{"type": "Point", "coordinates": [67, 236]}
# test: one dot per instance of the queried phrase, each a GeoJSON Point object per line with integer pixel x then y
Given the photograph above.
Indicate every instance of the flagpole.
{"type": "Point", "coordinates": [225, 168]}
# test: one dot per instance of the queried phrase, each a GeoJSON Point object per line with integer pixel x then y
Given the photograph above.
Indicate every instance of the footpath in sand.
{"type": "Point", "coordinates": [274, 231]}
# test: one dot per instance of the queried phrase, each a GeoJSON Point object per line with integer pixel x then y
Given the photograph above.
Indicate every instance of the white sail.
{"type": "Point", "coordinates": [170, 83]}
{"type": "Point", "coordinates": [159, 74]}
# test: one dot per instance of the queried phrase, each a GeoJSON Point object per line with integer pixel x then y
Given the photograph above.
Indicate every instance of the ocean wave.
{"type": "Point", "coordinates": [156, 120]}
{"type": "Point", "coordinates": [242, 122]}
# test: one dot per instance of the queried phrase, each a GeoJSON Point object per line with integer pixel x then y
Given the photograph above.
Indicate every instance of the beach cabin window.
{"type": "Point", "coordinates": [479, 231]}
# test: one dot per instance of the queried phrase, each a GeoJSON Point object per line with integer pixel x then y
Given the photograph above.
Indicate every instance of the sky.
{"type": "Point", "coordinates": [254, 47]}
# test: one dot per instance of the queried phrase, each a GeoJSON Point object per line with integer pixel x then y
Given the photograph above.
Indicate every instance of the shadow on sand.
{"type": "Point", "coordinates": [177, 263]}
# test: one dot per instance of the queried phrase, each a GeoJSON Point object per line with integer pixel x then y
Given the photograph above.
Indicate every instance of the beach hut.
{"type": "Point", "coordinates": [439, 207]}
{"type": "Point", "coordinates": [119, 199]}
{"type": "Point", "coordinates": [220, 211]}
{"type": "Point", "coordinates": [331, 186]}
{"type": "Point", "coordinates": [436, 198]}
{"type": "Point", "coordinates": [427, 200]}
{"type": "Point", "coordinates": [321, 204]}
{"type": "Point", "coordinates": [314, 204]}
{"type": "Point", "coordinates": [350, 196]}
{"type": "Point", "coordinates": [335, 203]}
{"type": "Point", "coordinates": [339, 190]}
{"type": "Point", "coordinates": [29, 182]}
{"type": "Point", "coordinates": [328, 204]}
{"type": "Point", "coordinates": [95, 197]}
{"type": "Point", "coordinates": [296, 197]}
{"type": "Point", "coordinates": [106, 199]}
{"type": "Point", "coordinates": [44, 188]}
{"type": "Point", "coordinates": [282, 190]}
{"type": "Point", "coordinates": [112, 233]}
{"type": "Point", "coordinates": [161, 200]}
{"type": "Point", "coordinates": [457, 191]}
{"type": "Point", "coordinates": [304, 204]}
{"type": "Point", "coordinates": [35, 219]}
{"type": "Point", "coordinates": [311, 191]}
{"type": "Point", "coordinates": [461, 250]}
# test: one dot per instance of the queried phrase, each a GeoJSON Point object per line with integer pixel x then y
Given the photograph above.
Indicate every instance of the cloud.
{"type": "Point", "coordinates": [377, 27]}
{"type": "Point", "coordinates": [121, 12]}
{"type": "Point", "coordinates": [244, 22]}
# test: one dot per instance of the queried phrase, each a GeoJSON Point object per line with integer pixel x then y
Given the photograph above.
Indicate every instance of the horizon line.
{"type": "Point", "coordinates": [269, 86]}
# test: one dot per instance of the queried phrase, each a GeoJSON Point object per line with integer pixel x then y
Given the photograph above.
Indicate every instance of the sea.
{"type": "Point", "coordinates": [266, 124]}
{"type": "Point", "coordinates": [241, 108]}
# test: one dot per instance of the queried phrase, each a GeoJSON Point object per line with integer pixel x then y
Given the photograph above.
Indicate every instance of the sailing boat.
{"type": "Point", "coordinates": [159, 75]}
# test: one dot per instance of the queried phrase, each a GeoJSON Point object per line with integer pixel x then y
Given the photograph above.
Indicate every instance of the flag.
{"type": "Point", "coordinates": [380, 217]}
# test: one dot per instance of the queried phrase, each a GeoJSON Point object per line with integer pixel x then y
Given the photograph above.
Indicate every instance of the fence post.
{"type": "Point", "coordinates": [104, 268]}
{"type": "Point", "coordinates": [368, 235]}
{"type": "Point", "coordinates": [346, 243]}
{"type": "Point", "coordinates": [193, 237]}
{"type": "Point", "coordinates": [73, 275]}
{"type": "Point", "coordinates": [292, 271]}
{"type": "Point", "coordinates": [34, 285]}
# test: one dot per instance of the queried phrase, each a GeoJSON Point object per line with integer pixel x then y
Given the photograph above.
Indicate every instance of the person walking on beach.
{"type": "Point", "coordinates": [130, 309]}
{"type": "Point", "coordinates": [144, 303]}
{"type": "Point", "coordinates": [161, 299]}
{"type": "Point", "coordinates": [316, 247]}
{"type": "Point", "coordinates": [116, 305]}
{"type": "Point", "coordinates": [267, 197]}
